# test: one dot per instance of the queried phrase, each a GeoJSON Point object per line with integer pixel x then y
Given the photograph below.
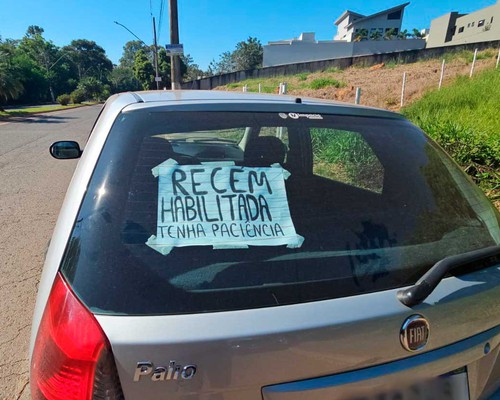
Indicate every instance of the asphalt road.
{"type": "Point", "coordinates": [32, 188]}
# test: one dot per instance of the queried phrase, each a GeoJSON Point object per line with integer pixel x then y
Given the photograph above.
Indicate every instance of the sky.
{"type": "Point", "coordinates": [207, 28]}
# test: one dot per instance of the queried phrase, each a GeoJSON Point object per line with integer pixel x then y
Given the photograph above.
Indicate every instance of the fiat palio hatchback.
{"type": "Point", "coordinates": [234, 246]}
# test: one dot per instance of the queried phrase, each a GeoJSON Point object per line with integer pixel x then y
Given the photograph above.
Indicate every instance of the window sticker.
{"type": "Point", "coordinates": [297, 116]}
{"type": "Point", "coordinates": [222, 205]}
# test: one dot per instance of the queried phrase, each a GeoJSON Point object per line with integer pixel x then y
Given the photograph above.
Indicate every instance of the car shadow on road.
{"type": "Point", "coordinates": [39, 119]}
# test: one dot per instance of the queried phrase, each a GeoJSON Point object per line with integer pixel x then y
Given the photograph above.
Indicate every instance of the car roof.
{"type": "Point", "coordinates": [159, 98]}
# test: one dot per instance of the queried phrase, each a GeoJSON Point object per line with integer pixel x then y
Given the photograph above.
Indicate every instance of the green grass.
{"type": "Point", "coordinates": [22, 112]}
{"type": "Point", "coordinates": [333, 70]}
{"type": "Point", "coordinates": [391, 64]}
{"type": "Point", "coordinates": [294, 82]}
{"type": "Point", "coordinates": [321, 83]}
{"type": "Point", "coordinates": [464, 119]}
{"type": "Point", "coordinates": [303, 76]}
{"type": "Point", "coordinates": [468, 56]}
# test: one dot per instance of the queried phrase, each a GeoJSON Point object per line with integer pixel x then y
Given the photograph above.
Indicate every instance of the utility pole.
{"type": "Point", "coordinates": [174, 39]}
{"type": "Point", "coordinates": [157, 77]}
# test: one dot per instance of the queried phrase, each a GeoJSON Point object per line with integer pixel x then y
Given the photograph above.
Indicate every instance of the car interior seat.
{"type": "Point", "coordinates": [263, 151]}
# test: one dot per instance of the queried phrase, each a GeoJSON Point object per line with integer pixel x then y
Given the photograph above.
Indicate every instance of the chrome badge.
{"type": "Point", "coordinates": [174, 371]}
{"type": "Point", "coordinates": [414, 333]}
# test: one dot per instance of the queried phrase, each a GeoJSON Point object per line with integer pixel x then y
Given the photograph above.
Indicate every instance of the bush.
{"type": "Point", "coordinates": [321, 83]}
{"type": "Point", "coordinates": [64, 99]}
{"type": "Point", "coordinates": [91, 87]}
{"type": "Point", "coordinates": [78, 96]}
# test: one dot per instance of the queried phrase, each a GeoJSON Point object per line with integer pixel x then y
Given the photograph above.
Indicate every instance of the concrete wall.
{"type": "Point", "coordinates": [386, 46]}
{"type": "Point", "coordinates": [314, 66]}
{"type": "Point", "coordinates": [299, 52]}
{"type": "Point", "coordinates": [445, 30]}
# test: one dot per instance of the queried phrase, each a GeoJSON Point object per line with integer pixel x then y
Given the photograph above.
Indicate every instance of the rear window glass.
{"type": "Point", "coordinates": [192, 212]}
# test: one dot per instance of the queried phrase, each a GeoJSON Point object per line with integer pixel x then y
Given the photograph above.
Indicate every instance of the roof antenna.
{"type": "Point", "coordinates": [298, 100]}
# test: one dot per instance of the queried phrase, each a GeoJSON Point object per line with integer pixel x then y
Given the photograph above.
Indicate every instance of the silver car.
{"type": "Point", "coordinates": [229, 246]}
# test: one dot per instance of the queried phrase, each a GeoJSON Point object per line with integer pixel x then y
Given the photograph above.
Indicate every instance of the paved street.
{"type": "Point", "coordinates": [32, 188]}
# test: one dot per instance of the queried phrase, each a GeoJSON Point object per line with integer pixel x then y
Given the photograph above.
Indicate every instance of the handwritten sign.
{"type": "Point", "coordinates": [222, 205]}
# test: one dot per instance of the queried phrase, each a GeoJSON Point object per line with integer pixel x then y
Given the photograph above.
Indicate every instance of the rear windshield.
{"type": "Point", "coordinates": [191, 212]}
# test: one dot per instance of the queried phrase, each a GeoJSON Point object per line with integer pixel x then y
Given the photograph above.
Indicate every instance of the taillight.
{"type": "Point", "coordinates": [72, 358]}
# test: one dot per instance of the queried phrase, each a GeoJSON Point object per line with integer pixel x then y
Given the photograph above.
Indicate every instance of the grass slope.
{"type": "Point", "coordinates": [465, 119]}
{"type": "Point", "coordinates": [380, 85]}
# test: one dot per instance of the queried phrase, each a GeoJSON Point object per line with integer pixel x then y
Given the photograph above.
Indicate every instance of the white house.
{"type": "Point", "coordinates": [453, 28]}
{"type": "Point", "coordinates": [350, 23]}
{"type": "Point", "coordinates": [306, 48]}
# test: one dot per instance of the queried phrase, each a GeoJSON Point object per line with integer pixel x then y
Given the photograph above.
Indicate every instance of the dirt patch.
{"type": "Point", "coordinates": [381, 84]}
{"type": "Point", "coordinates": [381, 87]}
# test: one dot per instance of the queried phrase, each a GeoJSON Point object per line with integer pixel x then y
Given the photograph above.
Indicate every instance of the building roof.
{"type": "Point", "coordinates": [345, 14]}
{"type": "Point", "coordinates": [362, 17]}
{"type": "Point", "coordinates": [388, 11]}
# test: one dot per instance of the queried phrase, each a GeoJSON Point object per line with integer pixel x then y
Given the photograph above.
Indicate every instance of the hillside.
{"type": "Point", "coordinates": [380, 85]}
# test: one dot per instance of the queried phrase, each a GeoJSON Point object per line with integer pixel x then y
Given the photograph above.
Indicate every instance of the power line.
{"type": "Point", "coordinates": [160, 22]}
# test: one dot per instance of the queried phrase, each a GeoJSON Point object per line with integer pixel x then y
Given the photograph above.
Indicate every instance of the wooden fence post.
{"type": "Point", "coordinates": [357, 100]}
{"type": "Point", "coordinates": [283, 88]}
{"type": "Point", "coordinates": [403, 90]}
{"type": "Point", "coordinates": [473, 64]}
{"type": "Point", "coordinates": [442, 74]}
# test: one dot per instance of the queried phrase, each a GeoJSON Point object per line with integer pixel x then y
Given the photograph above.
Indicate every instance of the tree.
{"type": "Point", "coordinates": [403, 34]}
{"type": "Point", "coordinates": [375, 35]}
{"type": "Point", "coordinates": [143, 70]}
{"type": "Point", "coordinates": [11, 86]}
{"type": "Point", "coordinates": [248, 55]}
{"type": "Point", "coordinates": [89, 58]}
{"type": "Point", "coordinates": [164, 68]}
{"type": "Point", "coordinates": [417, 34]}
{"type": "Point", "coordinates": [362, 34]}
{"type": "Point", "coordinates": [123, 80]}
{"type": "Point", "coordinates": [224, 65]}
{"type": "Point", "coordinates": [44, 54]}
{"type": "Point", "coordinates": [129, 51]}
{"type": "Point", "coordinates": [34, 30]}
{"type": "Point", "coordinates": [193, 71]}
{"type": "Point", "coordinates": [389, 34]}
{"type": "Point", "coordinates": [93, 88]}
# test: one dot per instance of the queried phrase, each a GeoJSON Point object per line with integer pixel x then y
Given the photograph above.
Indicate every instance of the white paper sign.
{"type": "Point", "coordinates": [222, 205]}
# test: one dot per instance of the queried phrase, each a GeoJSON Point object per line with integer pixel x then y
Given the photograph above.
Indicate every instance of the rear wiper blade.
{"type": "Point", "coordinates": [427, 283]}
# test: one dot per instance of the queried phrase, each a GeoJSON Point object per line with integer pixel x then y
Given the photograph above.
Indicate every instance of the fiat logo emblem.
{"type": "Point", "coordinates": [415, 333]}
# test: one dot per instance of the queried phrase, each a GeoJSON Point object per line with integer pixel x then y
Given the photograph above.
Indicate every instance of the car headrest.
{"type": "Point", "coordinates": [264, 151]}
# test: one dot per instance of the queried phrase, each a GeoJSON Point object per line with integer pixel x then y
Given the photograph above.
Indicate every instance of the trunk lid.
{"type": "Point", "coordinates": [239, 353]}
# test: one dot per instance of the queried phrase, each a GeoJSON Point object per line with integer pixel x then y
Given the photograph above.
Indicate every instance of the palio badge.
{"type": "Point", "coordinates": [174, 371]}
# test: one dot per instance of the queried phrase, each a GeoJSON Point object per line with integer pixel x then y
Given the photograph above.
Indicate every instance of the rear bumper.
{"type": "Point", "coordinates": [479, 353]}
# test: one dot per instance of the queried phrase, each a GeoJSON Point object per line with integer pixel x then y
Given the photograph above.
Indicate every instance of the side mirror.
{"type": "Point", "coordinates": [65, 150]}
